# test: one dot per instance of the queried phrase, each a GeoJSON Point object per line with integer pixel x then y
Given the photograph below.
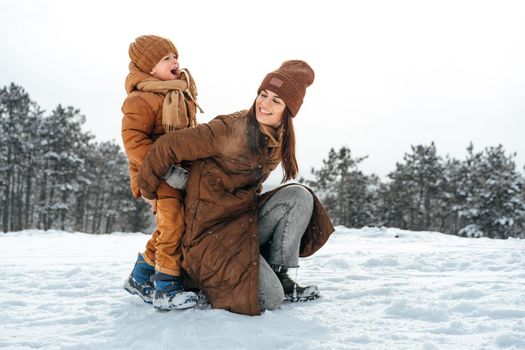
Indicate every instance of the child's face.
{"type": "Point", "coordinates": [167, 68]}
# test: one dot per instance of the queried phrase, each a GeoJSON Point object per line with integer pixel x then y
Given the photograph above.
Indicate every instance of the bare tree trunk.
{"type": "Point", "coordinates": [7, 191]}
{"type": "Point", "coordinates": [427, 208]}
{"type": "Point", "coordinates": [81, 214]}
{"type": "Point", "coordinates": [19, 201]}
{"type": "Point", "coordinates": [12, 202]}
{"type": "Point", "coordinates": [96, 215]}
{"type": "Point", "coordinates": [49, 215]}
{"type": "Point", "coordinates": [28, 221]}
{"type": "Point", "coordinates": [63, 212]}
{"type": "Point", "coordinates": [42, 215]}
{"type": "Point", "coordinates": [109, 223]}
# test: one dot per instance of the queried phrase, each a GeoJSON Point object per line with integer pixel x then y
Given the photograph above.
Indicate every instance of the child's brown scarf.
{"type": "Point", "coordinates": [179, 106]}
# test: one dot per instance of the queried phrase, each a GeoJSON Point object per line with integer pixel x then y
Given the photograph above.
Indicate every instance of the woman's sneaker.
{"type": "Point", "coordinates": [170, 294]}
{"type": "Point", "coordinates": [294, 292]}
{"type": "Point", "coordinates": [138, 283]}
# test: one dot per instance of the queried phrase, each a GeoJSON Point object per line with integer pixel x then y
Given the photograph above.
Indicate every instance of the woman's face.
{"type": "Point", "coordinates": [269, 108]}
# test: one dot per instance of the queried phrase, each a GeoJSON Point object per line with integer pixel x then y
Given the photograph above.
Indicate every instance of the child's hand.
{"type": "Point", "coordinates": [153, 203]}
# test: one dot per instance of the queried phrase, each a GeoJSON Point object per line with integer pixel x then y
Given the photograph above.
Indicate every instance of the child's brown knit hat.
{"type": "Point", "coordinates": [289, 82]}
{"type": "Point", "coordinates": [147, 50]}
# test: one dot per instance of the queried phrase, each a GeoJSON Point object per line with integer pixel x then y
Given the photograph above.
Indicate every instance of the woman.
{"type": "Point", "coordinates": [239, 244]}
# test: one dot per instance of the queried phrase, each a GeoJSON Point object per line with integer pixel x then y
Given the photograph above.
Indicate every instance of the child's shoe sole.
{"type": "Point", "coordinates": [180, 301]}
{"type": "Point", "coordinates": [131, 287]}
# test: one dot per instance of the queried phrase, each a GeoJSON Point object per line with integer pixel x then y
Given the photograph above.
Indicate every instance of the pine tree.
{"type": "Point", "coordinates": [450, 208]}
{"type": "Point", "coordinates": [521, 221]}
{"type": "Point", "coordinates": [106, 203]}
{"type": "Point", "coordinates": [488, 199]}
{"type": "Point", "coordinates": [19, 122]}
{"type": "Point", "coordinates": [52, 174]}
{"type": "Point", "coordinates": [501, 204]}
{"type": "Point", "coordinates": [63, 145]}
{"type": "Point", "coordinates": [348, 194]}
{"type": "Point", "coordinates": [468, 187]}
{"type": "Point", "coordinates": [414, 197]}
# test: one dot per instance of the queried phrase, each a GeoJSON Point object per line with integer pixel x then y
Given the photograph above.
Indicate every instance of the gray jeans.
{"type": "Point", "coordinates": [283, 219]}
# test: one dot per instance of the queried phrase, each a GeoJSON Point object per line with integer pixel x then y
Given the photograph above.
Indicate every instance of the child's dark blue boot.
{"type": "Point", "coordinates": [138, 283]}
{"type": "Point", "coordinates": [170, 294]}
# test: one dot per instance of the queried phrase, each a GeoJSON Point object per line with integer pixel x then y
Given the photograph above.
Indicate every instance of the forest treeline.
{"type": "Point", "coordinates": [54, 175]}
{"type": "Point", "coordinates": [482, 195]}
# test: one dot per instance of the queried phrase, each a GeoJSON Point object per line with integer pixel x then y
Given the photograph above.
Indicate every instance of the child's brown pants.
{"type": "Point", "coordinates": [164, 250]}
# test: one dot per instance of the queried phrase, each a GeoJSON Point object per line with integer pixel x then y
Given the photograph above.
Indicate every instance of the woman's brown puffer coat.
{"type": "Point", "coordinates": [221, 242]}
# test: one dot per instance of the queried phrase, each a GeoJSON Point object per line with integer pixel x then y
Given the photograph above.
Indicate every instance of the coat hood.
{"type": "Point", "coordinates": [135, 76]}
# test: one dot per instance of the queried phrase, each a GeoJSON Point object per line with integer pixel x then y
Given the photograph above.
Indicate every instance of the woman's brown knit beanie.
{"type": "Point", "coordinates": [289, 82]}
{"type": "Point", "coordinates": [147, 50]}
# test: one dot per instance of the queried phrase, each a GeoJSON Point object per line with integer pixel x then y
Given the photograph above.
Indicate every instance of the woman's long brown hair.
{"type": "Point", "coordinates": [256, 142]}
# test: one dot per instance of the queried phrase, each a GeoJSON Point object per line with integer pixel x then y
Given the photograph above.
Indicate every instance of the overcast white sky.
{"type": "Point", "coordinates": [389, 74]}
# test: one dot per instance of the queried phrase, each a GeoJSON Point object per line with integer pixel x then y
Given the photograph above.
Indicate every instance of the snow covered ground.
{"type": "Point", "coordinates": [381, 289]}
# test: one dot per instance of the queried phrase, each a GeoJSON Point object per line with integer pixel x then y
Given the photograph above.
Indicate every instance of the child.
{"type": "Point", "coordinates": [161, 98]}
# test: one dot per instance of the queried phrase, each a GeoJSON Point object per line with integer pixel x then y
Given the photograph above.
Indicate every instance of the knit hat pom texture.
{"type": "Point", "coordinates": [147, 50]}
{"type": "Point", "coordinates": [289, 82]}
